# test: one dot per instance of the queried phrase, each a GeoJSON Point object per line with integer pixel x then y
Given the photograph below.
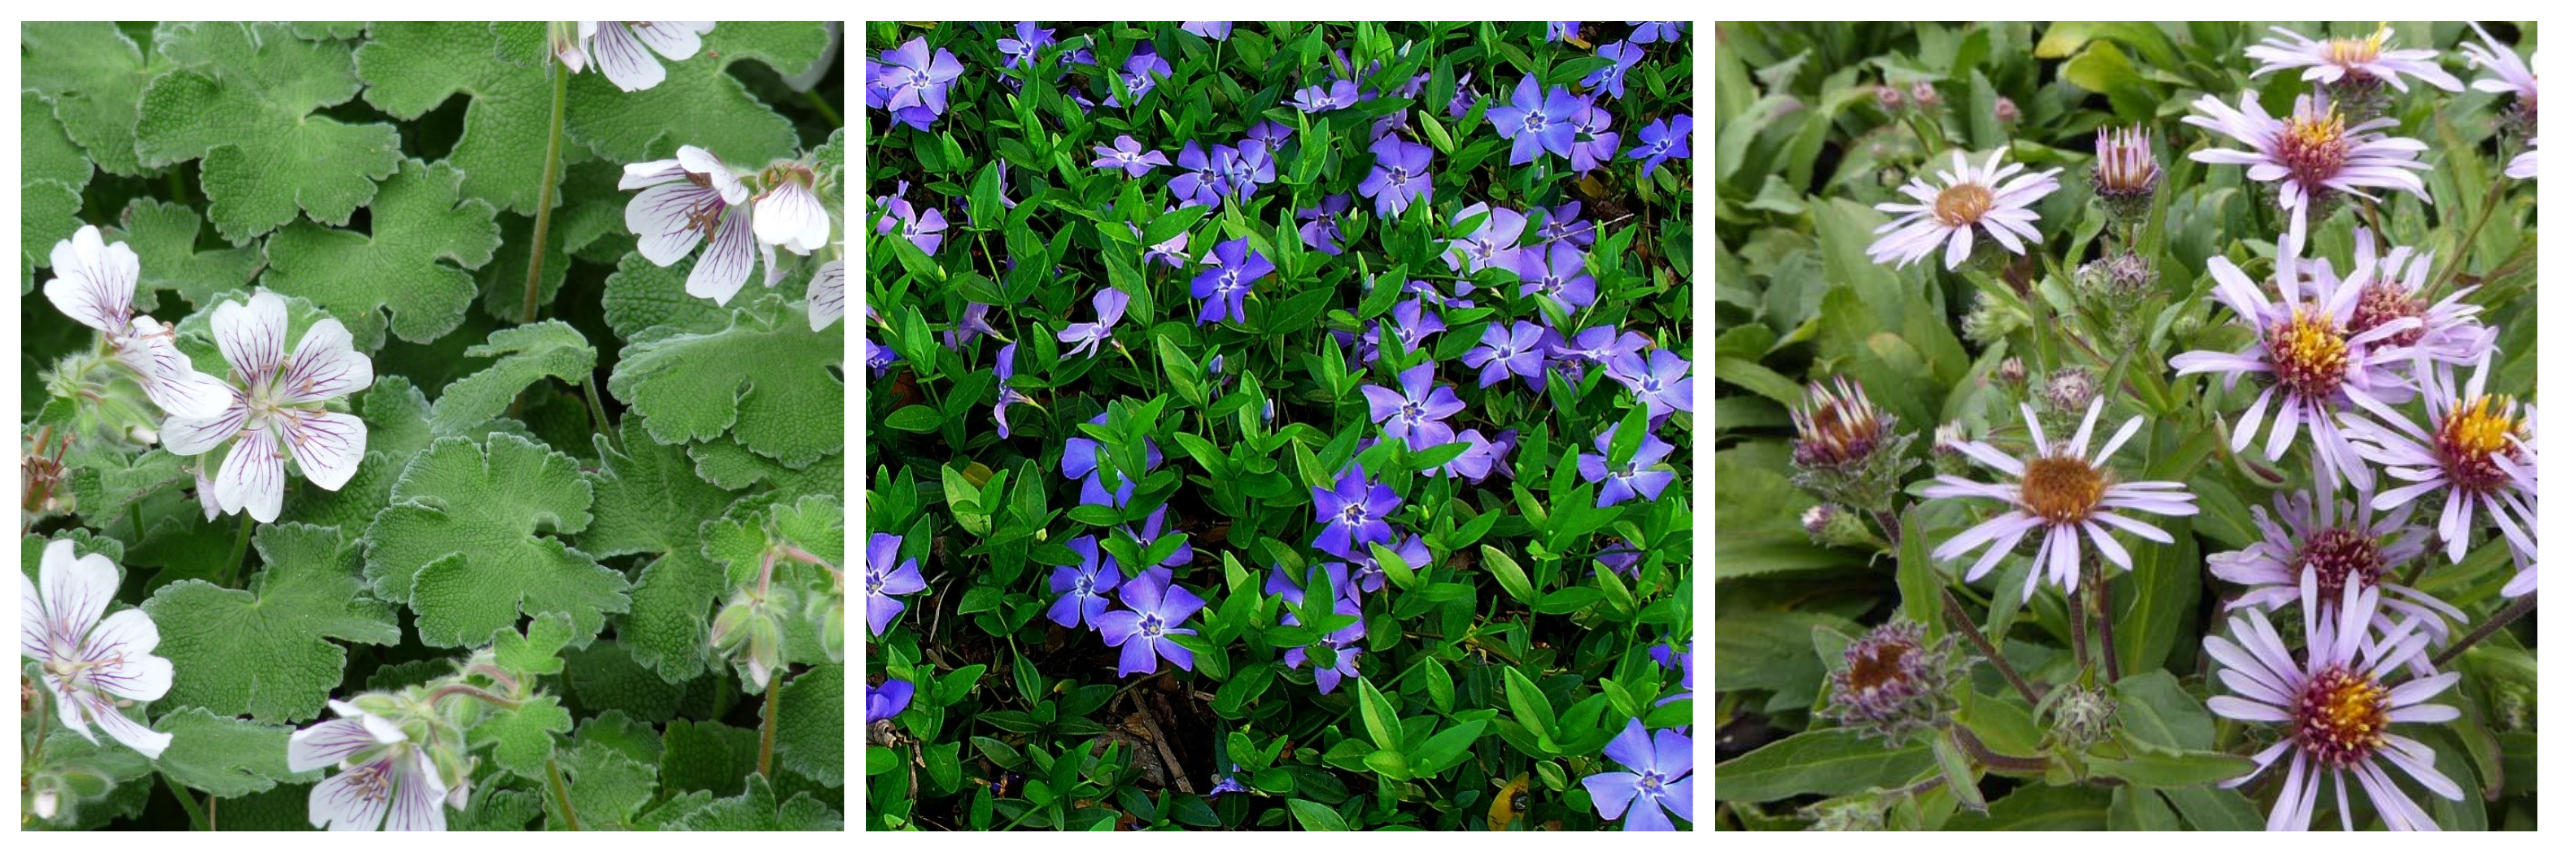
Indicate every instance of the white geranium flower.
{"type": "Point", "coordinates": [275, 410]}
{"type": "Point", "coordinates": [789, 214]}
{"type": "Point", "coordinates": [621, 49]}
{"type": "Point", "coordinates": [381, 773]}
{"type": "Point", "coordinates": [684, 200]}
{"type": "Point", "coordinates": [93, 284]}
{"type": "Point", "coordinates": [91, 666]}
{"type": "Point", "coordinates": [826, 296]}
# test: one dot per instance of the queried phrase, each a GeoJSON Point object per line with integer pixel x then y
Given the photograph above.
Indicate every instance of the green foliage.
{"type": "Point", "coordinates": [462, 542]}
{"type": "Point", "coordinates": [242, 98]}
{"type": "Point", "coordinates": [764, 375]}
{"type": "Point", "coordinates": [420, 222]}
{"type": "Point", "coordinates": [266, 651]}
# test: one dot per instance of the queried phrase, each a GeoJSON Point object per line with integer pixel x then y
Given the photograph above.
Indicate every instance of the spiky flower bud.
{"type": "Point", "coordinates": [2011, 372]}
{"type": "Point", "coordinates": [1831, 526]}
{"type": "Point", "coordinates": [2081, 717]}
{"type": "Point", "coordinates": [1990, 320]}
{"type": "Point", "coordinates": [2125, 168]}
{"type": "Point", "coordinates": [1892, 682]}
{"type": "Point", "coordinates": [2067, 392]}
{"type": "Point", "coordinates": [2124, 277]}
{"type": "Point", "coordinates": [1846, 452]}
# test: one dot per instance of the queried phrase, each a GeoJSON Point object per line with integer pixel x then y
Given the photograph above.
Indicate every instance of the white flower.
{"type": "Point", "coordinates": [621, 49]}
{"type": "Point", "coordinates": [275, 410]}
{"type": "Point", "coordinates": [2310, 154]}
{"type": "Point", "coordinates": [2064, 491]}
{"type": "Point", "coordinates": [1946, 215]}
{"type": "Point", "coordinates": [382, 773]}
{"type": "Point", "coordinates": [789, 214]}
{"type": "Point", "coordinates": [91, 666]}
{"type": "Point", "coordinates": [2348, 59]}
{"type": "Point", "coordinates": [826, 295]}
{"type": "Point", "coordinates": [684, 200]}
{"type": "Point", "coordinates": [93, 285]}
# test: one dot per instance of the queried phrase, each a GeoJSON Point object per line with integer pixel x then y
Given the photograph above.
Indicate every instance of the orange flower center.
{"type": "Point", "coordinates": [2062, 489]}
{"type": "Point", "coordinates": [2309, 355]}
{"type": "Point", "coordinates": [1963, 204]}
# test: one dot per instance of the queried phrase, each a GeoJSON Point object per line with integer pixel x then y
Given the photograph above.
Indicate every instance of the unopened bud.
{"type": "Point", "coordinates": [143, 435]}
{"type": "Point", "coordinates": [1948, 457]}
{"type": "Point", "coordinates": [2067, 391]}
{"type": "Point", "coordinates": [1890, 99]}
{"type": "Point", "coordinates": [1892, 682]}
{"type": "Point", "coordinates": [48, 802]}
{"type": "Point", "coordinates": [1991, 320]}
{"type": "Point", "coordinates": [2117, 277]}
{"type": "Point", "coordinates": [2011, 372]}
{"type": "Point", "coordinates": [2081, 717]}
{"type": "Point", "coordinates": [1818, 518]}
{"type": "Point", "coordinates": [2005, 111]}
{"type": "Point", "coordinates": [1924, 94]}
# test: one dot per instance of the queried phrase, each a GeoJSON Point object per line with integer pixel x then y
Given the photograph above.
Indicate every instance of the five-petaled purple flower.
{"type": "Point", "coordinates": [1211, 30]}
{"type": "Point", "coordinates": [1639, 477]}
{"type": "Point", "coordinates": [1477, 462]}
{"type": "Point", "coordinates": [1140, 74]}
{"type": "Point", "coordinates": [1128, 156]}
{"type": "Point", "coordinates": [1515, 351]}
{"type": "Point", "coordinates": [1108, 306]}
{"type": "Point", "coordinates": [1156, 609]}
{"type": "Point", "coordinates": [1154, 530]}
{"type": "Point", "coordinates": [911, 79]}
{"type": "Point", "coordinates": [1593, 142]}
{"type": "Point", "coordinates": [1323, 229]}
{"type": "Point", "coordinates": [1316, 99]}
{"type": "Point", "coordinates": [1198, 185]}
{"type": "Point", "coordinates": [1004, 393]}
{"type": "Point", "coordinates": [1494, 243]}
{"type": "Point", "coordinates": [1225, 276]}
{"type": "Point", "coordinates": [1083, 585]}
{"type": "Point", "coordinates": [1345, 603]}
{"type": "Point", "coordinates": [1023, 50]}
{"type": "Point", "coordinates": [1401, 176]}
{"type": "Point", "coordinates": [1563, 30]}
{"type": "Point", "coordinates": [886, 701]}
{"type": "Point", "coordinates": [885, 577]}
{"type": "Point", "coordinates": [1661, 382]}
{"type": "Point", "coordinates": [1564, 223]}
{"type": "Point", "coordinates": [1661, 142]}
{"type": "Point", "coordinates": [924, 230]}
{"type": "Point", "coordinates": [1537, 124]}
{"type": "Point", "coordinates": [1657, 777]}
{"type": "Point", "coordinates": [1243, 168]}
{"type": "Point", "coordinates": [1647, 32]}
{"type": "Point", "coordinates": [1556, 269]}
{"type": "Point", "coordinates": [1612, 79]}
{"type": "Point", "coordinates": [1354, 513]}
{"type": "Point", "coordinates": [1419, 412]}
{"type": "Point", "coordinates": [1084, 459]}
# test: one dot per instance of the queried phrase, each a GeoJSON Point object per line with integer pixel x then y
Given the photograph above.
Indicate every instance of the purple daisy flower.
{"type": "Point", "coordinates": [1225, 276]}
{"type": "Point", "coordinates": [1537, 124]}
{"type": "Point", "coordinates": [1323, 229]}
{"type": "Point", "coordinates": [1108, 306]}
{"type": "Point", "coordinates": [1657, 777]}
{"type": "Point", "coordinates": [884, 577]}
{"type": "Point", "coordinates": [2311, 155]}
{"type": "Point", "coordinates": [2477, 451]}
{"type": "Point", "coordinates": [1612, 78]}
{"type": "Point", "coordinates": [1418, 412]}
{"type": "Point", "coordinates": [1661, 142]}
{"type": "Point", "coordinates": [1401, 176]}
{"type": "Point", "coordinates": [1127, 155]}
{"type": "Point", "coordinates": [1081, 586]}
{"type": "Point", "coordinates": [1157, 607]}
{"type": "Point", "coordinates": [1507, 352]}
{"type": "Point", "coordinates": [2347, 60]}
{"type": "Point", "coordinates": [2337, 542]}
{"type": "Point", "coordinates": [2064, 491]}
{"type": "Point", "coordinates": [1639, 477]}
{"type": "Point", "coordinates": [1354, 513]}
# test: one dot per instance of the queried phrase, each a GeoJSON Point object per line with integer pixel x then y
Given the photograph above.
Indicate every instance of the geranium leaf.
{"type": "Point", "coordinates": [525, 355]}
{"type": "Point", "coordinates": [420, 222]}
{"type": "Point", "coordinates": [93, 76]}
{"type": "Point", "coordinates": [225, 756]}
{"type": "Point", "coordinates": [649, 501]}
{"type": "Point", "coordinates": [242, 98]}
{"type": "Point", "coordinates": [412, 67]}
{"type": "Point", "coordinates": [462, 542]}
{"type": "Point", "coordinates": [810, 739]}
{"type": "Point", "coordinates": [699, 103]}
{"type": "Point", "coordinates": [755, 810]}
{"type": "Point", "coordinates": [266, 651]}
{"type": "Point", "coordinates": [163, 236]}
{"type": "Point", "coordinates": [765, 375]}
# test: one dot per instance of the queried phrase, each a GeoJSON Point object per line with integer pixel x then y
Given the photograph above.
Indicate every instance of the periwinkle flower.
{"type": "Point", "coordinates": [1507, 352]}
{"type": "Point", "coordinates": [1345, 655]}
{"type": "Point", "coordinates": [1493, 243]}
{"type": "Point", "coordinates": [1198, 185]}
{"type": "Point", "coordinates": [1153, 530]}
{"type": "Point", "coordinates": [1462, 99]}
{"type": "Point", "coordinates": [1127, 155]}
{"type": "Point", "coordinates": [1593, 142]}
{"type": "Point", "coordinates": [1611, 78]}
{"type": "Point", "coordinates": [1537, 124]}
{"type": "Point", "coordinates": [1225, 276]}
{"type": "Point", "coordinates": [1211, 30]}
{"type": "Point", "coordinates": [1082, 587]}
{"type": "Point", "coordinates": [1557, 269]}
{"type": "Point", "coordinates": [621, 49]}
{"type": "Point", "coordinates": [1477, 462]}
{"type": "Point", "coordinates": [1417, 411]}
{"type": "Point", "coordinates": [1564, 224]}
{"type": "Point", "coordinates": [1108, 306]}
{"type": "Point", "coordinates": [1322, 230]}
{"type": "Point", "coordinates": [1157, 607]}
{"type": "Point", "coordinates": [913, 81]}
{"type": "Point", "coordinates": [1641, 476]}
{"type": "Point", "coordinates": [1647, 32]}
{"type": "Point", "coordinates": [884, 577]}
{"type": "Point", "coordinates": [1244, 168]}
{"type": "Point", "coordinates": [1004, 394]}
{"type": "Point", "coordinates": [886, 701]}
{"type": "Point", "coordinates": [1354, 513]}
{"type": "Point", "coordinates": [92, 667]}
{"type": "Point", "coordinates": [1140, 74]}
{"type": "Point", "coordinates": [1084, 458]}
{"type": "Point", "coordinates": [1173, 252]}
{"type": "Point", "coordinates": [971, 324]}
{"type": "Point", "coordinates": [1318, 99]}
{"type": "Point", "coordinates": [878, 358]}
{"type": "Point", "coordinates": [278, 410]}
{"type": "Point", "coordinates": [1023, 50]}
{"type": "Point", "coordinates": [93, 285]}
{"type": "Point", "coordinates": [1657, 777]}
{"type": "Point", "coordinates": [1661, 142]}
{"type": "Point", "coordinates": [1401, 176]}
{"type": "Point", "coordinates": [1563, 30]}
{"type": "Point", "coordinates": [924, 230]}
{"type": "Point", "coordinates": [1660, 382]}
{"type": "Point", "coordinates": [1270, 133]}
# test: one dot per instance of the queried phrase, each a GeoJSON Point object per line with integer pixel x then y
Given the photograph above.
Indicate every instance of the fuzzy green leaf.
{"type": "Point", "coordinates": [640, 296]}
{"type": "Point", "coordinates": [419, 222]}
{"type": "Point", "coordinates": [265, 652]}
{"type": "Point", "coordinates": [243, 99]}
{"type": "Point", "coordinates": [699, 103]}
{"type": "Point", "coordinates": [649, 501]}
{"type": "Point", "coordinates": [525, 355]}
{"type": "Point", "coordinates": [810, 738]}
{"type": "Point", "coordinates": [536, 651]}
{"type": "Point", "coordinates": [93, 76]}
{"type": "Point", "coordinates": [225, 756]}
{"type": "Point", "coordinates": [163, 236]}
{"type": "Point", "coordinates": [524, 736]}
{"type": "Point", "coordinates": [412, 67]}
{"type": "Point", "coordinates": [755, 810]}
{"type": "Point", "coordinates": [765, 374]}
{"type": "Point", "coordinates": [462, 542]}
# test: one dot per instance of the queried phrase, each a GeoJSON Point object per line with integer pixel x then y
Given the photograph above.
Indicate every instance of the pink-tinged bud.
{"type": "Point", "coordinates": [1818, 519]}
{"type": "Point", "coordinates": [1837, 427]}
{"type": "Point", "coordinates": [2005, 111]}
{"type": "Point", "coordinates": [1892, 682]}
{"type": "Point", "coordinates": [2067, 391]}
{"type": "Point", "coordinates": [1889, 98]}
{"type": "Point", "coordinates": [1924, 94]}
{"type": "Point", "coordinates": [2125, 173]}
{"type": "Point", "coordinates": [2012, 372]}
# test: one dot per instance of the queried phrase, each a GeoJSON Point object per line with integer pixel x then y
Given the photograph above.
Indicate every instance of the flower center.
{"type": "Point", "coordinates": [2308, 353]}
{"type": "Point", "coordinates": [2340, 717]}
{"type": "Point", "coordinates": [1963, 204]}
{"type": "Point", "coordinates": [371, 782]}
{"type": "Point", "coordinates": [1397, 176]}
{"type": "Point", "coordinates": [2313, 147]}
{"type": "Point", "coordinates": [2337, 553]}
{"type": "Point", "coordinates": [1883, 666]}
{"type": "Point", "coordinates": [1533, 122]}
{"type": "Point", "coordinates": [1152, 625]}
{"type": "Point", "coordinates": [2354, 52]}
{"type": "Point", "coordinates": [1651, 783]}
{"type": "Point", "coordinates": [1084, 585]}
{"type": "Point", "coordinates": [2471, 438]}
{"type": "Point", "coordinates": [876, 582]}
{"type": "Point", "coordinates": [2382, 302]}
{"type": "Point", "coordinates": [1412, 412]}
{"type": "Point", "coordinates": [2062, 489]}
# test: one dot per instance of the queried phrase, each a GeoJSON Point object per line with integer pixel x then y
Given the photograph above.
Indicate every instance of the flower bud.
{"type": "Point", "coordinates": [1818, 518]}
{"type": "Point", "coordinates": [2125, 171]}
{"type": "Point", "coordinates": [1892, 682]}
{"type": "Point", "coordinates": [1837, 426]}
{"type": "Point", "coordinates": [2081, 717]}
{"type": "Point", "coordinates": [2011, 372]}
{"type": "Point", "coordinates": [1861, 813]}
{"type": "Point", "coordinates": [1924, 94]}
{"type": "Point", "coordinates": [48, 802]}
{"type": "Point", "coordinates": [1831, 526]}
{"type": "Point", "coordinates": [2005, 111]}
{"type": "Point", "coordinates": [2123, 277]}
{"type": "Point", "coordinates": [2067, 392]}
{"type": "Point", "coordinates": [1890, 99]}
{"type": "Point", "coordinates": [1991, 320]}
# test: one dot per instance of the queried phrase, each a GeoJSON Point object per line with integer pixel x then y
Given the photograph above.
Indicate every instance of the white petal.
{"type": "Point", "coordinates": [190, 436]}
{"type": "Point", "coordinates": [328, 445]}
{"type": "Point", "coordinates": [826, 295]}
{"type": "Point", "coordinates": [651, 173]}
{"type": "Point", "coordinates": [171, 381]}
{"type": "Point", "coordinates": [676, 40]}
{"type": "Point", "coordinates": [339, 803]}
{"type": "Point", "coordinates": [251, 336]}
{"type": "Point", "coordinates": [2425, 714]}
{"type": "Point", "coordinates": [2122, 434]}
{"type": "Point", "coordinates": [93, 282]}
{"type": "Point", "coordinates": [32, 643]}
{"type": "Point", "coordinates": [671, 219]}
{"type": "Point", "coordinates": [76, 592]}
{"type": "Point", "coordinates": [324, 366]}
{"type": "Point", "coordinates": [790, 216]}
{"type": "Point", "coordinates": [129, 636]}
{"type": "Point", "coordinates": [623, 60]}
{"type": "Point", "coordinates": [2421, 689]}
{"type": "Point", "coordinates": [252, 476]}
{"type": "Point", "coordinates": [132, 734]}
{"type": "Point", "coordinates": [417, 803]}
{"type": "Point", "coordinates": [2087, 427]}
{"type": "Point", "coordinates": [723, 267]}
{"type": "Point", "coordinates": [701, 161]}
{"type": "Point", "coordinates": [325, 744]}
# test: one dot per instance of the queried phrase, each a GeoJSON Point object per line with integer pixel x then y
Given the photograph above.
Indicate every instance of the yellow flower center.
{"type": "Point", "coordinates": [2352, 52]}
{"type": "Point", "coordinates": [1963, 204]}
{"type": "Point", "coordinates": [2471, 438]}
{"type": "Point", "coordinates": [2341, 716]}
{"type": "Point", "coordinates": [2062, 489]}
{"type": "Point", "coordinates": [2313, 147]}
{"type": "Point", "coordinates": [2308, 353]}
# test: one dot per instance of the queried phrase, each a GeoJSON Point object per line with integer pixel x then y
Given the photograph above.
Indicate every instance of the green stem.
{"type": "Point", "coordinates": [823, 108]}
{"type": "Point", "coordinates": [195, 813]}
{"type": "Point", "coordinates": [560, 790]}
{"type": "Point", "coordinates": [2461, 253]}
{"type": "Point", "coordinates": [772, 721]}
{"type": "Point", "coordinates": [2106, 626]}
{"type": "Point", "coordinates": [178, 184]}
{"type": "Point", "coordinates": [596, 417]}
{"type": "Point", "coordinates": [240, 549]}
{"type": "Point", "coordinates": [550, 177]}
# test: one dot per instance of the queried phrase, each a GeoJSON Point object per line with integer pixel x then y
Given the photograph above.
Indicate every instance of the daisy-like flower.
{"type": "Point", "coordinates": [277, 410]}
{"type": "Point", "coordinates": [2335, 707]}
{"type": "Point", "coordinates": [1892, 682]}
{"type": "Point", "coordinates": [91, 666]}
{"type": "Point", "coordinates": [1157, 607]}
{"type": "Point", "coordinates": [1946, 215]}
{"type": "Point", "coordinates": [2527, 165]}
{"type": "Point", "coordinates": [1657, 777]}
{"type": "Point", "coordinates": [2348, 61]}
{"type": "Point", "coordinates": [2447, 330]}
{"type": "Point", "coordinates": [621, 49]}
{"type": "Point", "coordinates": [93, 284]}
{"type": "Point", "coordinates": [382, 773]}
{"type": "Point", "coordinates": [2311, 156]}
{"type": "Point", "coordinates": [1081, 587]}
{"type": "Point", "coordinates": [885, 578]}
{"type": "Point", "coordinates": [2506, 71]}
{"type": "Point", "coordinates": [2312, 364]}
{"type": "Point", "coordinates": [2312, 531]}
{"type": "Point", "coordinates": [2065, 492]}
{"type": "Point", "coordinates": [695, 196]}
{"type": "Point", "coordinates": [2474, 449]}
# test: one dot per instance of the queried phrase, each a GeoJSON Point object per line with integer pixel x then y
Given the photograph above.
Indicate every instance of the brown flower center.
{"type": "Point", "coordinates": [2337, 553]}
{"type": "Point", "coordinates": [2384, 301]}
{"type": "Point", "coordinates": [2312, 147]}
{"type": "Point", "coordinates": [2062, 489]}
{"type": "Point", "coordinates": [1963, 204]}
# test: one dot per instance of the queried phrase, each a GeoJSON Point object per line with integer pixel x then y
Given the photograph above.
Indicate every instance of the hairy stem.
{"type": "Point", "coordinates": [595, 416]}
{"type": "Point", "coordinates": [239, 549]}
{"type": "Point", "coordinates": [1964, 623]}
{"type": "Point", "coordinates": [818, 102]}
{"type": "Point", "coordinates": [2106, 629]}
{"type": "Point", "coordinates": [195, 813]}
{"type": "Point", "coordinates": [460, 689]}
{"type": "Point", "coordinates": [1890, 522]}
{"type": "Point", "coordinates": [1983, 753]}
{"type": "Point", "coordinates": [2078, 627]}
{"type": "Point", "coordinates": [550, 177]}
{"type": "Point", "coordinates": [560, 790]}
{"type": "Point", "coordinates": [772, 722]}
{"type": "Point", "coordinates": [2494, 624]}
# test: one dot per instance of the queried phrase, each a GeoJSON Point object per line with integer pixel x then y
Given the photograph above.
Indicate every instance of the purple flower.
{"type": "Point", "coordinates": [1140, 74]}
{"type": "Point", "coordinates": [1226, 782]}
{"type": "Point", "coordinates": [1477, 462]}
{"type": "Point", "coordinates": [1023, 50]}
{"type": "Point", "coordinates": [1621, 558]}
{"type": "Point", "coordinates": [1154, 530]}
{"type": "Point", "coordinates": [1386, 125]}
{"type": "Point", "coordinates": [972, 324]}
{"type": "Point", "coordinates": [1244, 168]}
{"type": "Point", "coordinates": [910, 79]}
{"type": "Point", "coordinates": [1556, 269]}
{"type": "Point", "coordinates": [1083, 585]}
{"type": "Point", "coordinates": [882, 581]}
{"type": "Point", "coordinates": [1171, 252]}
{"type": "Point", "coordinates": [1211, 30]}
{"type": "Point", "coordinates": [924, 230]}
{"type": "Point", "coordinates": [1316, 99]}
{"type": "Point", "coordinates": [1493, 243]}
{"type": "Point", "coordinates": [1225, 276]}
{"type": "Point", "coordinates": [1133, 159]}
{"type": "Point", "coordinates": [1323, 229]}
{"type": "Point", "coordinates": [1108, 304]}
{"type": "Point", "coordinates": [1612, 79]}
{"type": "Point", "coordinates": [1537, 125]}
{"type": "Point", "coordinates": [1462, 98]}
{"type": "Point", "coordinates": [1563, 30]}
{"type": "Point", "coordinates": [1638, 477]}
{"type": "Point", "coordinates": [1515, 351]}
{"type": "Point", "coordinates": [1345, 655]}
{"type": "Point", "coordinates": [1564, 222]}
{"type": "Point", "coordinates": [1401, 176]}
{"type": "Point", "coordinates": [1156, 609]}
{"type": "Point", "coordinates": [886, 701]}
{"type": "Point", "coordinates": [879, 357]}
{"type": "Point", "coordinates": [1661, 142]}
{"type": "Point", "coordinates": [1270, 133]}
{"type": "Point", "coordinates": [1354, 514]}
{"type": "Point", "coordinates": [1647, 32]}
{"type": "Point", "coordinates": [1418, 413]}
{"type": "Point", "coordinates": [1084, 458]}
{"type": "Point", "coordinates": [1004, 393]}
{"type": "Point", "coordinates": [1657, 777]}
{"type": "Point", "coordinates": [1661, 383]}
{"type": "Point", "coordinates": [1197, 186]}
{"type": "Point", "coordinates": [1593, 142]}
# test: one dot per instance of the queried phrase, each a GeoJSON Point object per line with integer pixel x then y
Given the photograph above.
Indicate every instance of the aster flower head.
{"type": "Point", "coordinates": [1645, 474]}
{"type": "Point", "coordinates": [2348, 62]}
{"type": "Point", "coordinates": [2125, 173]}
{"type": "Point", "coordinates": [1838, 428]}
{"type": "Point", "coordinates": [1969, 198]}
{"type": "Point", "coordinates": [2335, 707]}
{"type": "Point", "coordinates": [1125, 154]}
{"type": "Point", "coordinates": [1504, 352]}
{"type": "Point", "coordinates": [1891, 684]}
{"type": "Point", "coordinates": [2066, 493]}
{"type": "Point", "coordinates": [1537, 124]}
{"type": "Point", "coordinates": [2447, 331]}
{"type": "Point", "coordinates": [91, 666]}
{"type": "Point", "coordinates": [621, 50]}
{"type": "Point", "coordinates": [2313, 156]}
{"type": "Point", "coordinates": [1354, 513]}
{"type": "Point", "coordinates": [2476, 448]}
{"type": "Point", "coordinates": [1082, 588]}
{"type": "Point", "coordinates": [1611, 78]}
{"type": "Point", "coordinates": [885, 577]}
{"type": "Point", "coordinates": [1401, 176]}
{"type": "Point", "coordinates": [696, 197]}
{"type": "Point", "coordinates": [918, 85]}
{"type": "Point", "coordinates": [2527, 165]}
{"type": "Point", "coordinates": [1226, 275]}
{"type": "Point", "coordinates": [277, 411]}
{"type": "Point", "coordinates": [93, 284]}
{"type": "Point", "coordinates": [1322, 228]}
{"type": "Point", "coordinates": [1109, 304]}
{"type": "Point", "coordinates": [1157, 607]}
{"type": "Point", "coordinates": [1416, 410]}
{"type": "Point", "coordinates": [386, 781]}
{"type": "Point", "coordinates": [886, 701]}
{"type": "Point", "coordinates": [1657, 777]}
{"type": "Point", "coordinates": [2333, 541]}
{"type": "Point", "coordinates": [1661, 142]}
{"type": "Point", "coordinates": [2507, 72]}
{"type": "Point", "coordinates": [2312, 366]}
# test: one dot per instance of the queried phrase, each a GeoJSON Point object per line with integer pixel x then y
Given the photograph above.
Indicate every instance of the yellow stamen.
{"type": "Point", "coordinates": [2061, 489]}
{"type": "Point", "coordinates": [1963, 204]}
{"type": "Point", "coordinates": [2480, 427]}
{"type": "Point", "coordinates": [2357, 51]}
